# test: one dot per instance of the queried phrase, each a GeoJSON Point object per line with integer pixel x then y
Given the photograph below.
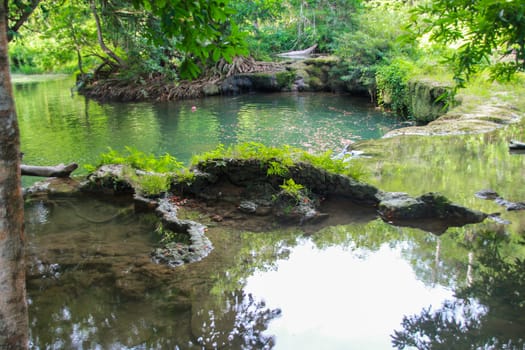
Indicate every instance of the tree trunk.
{"type": "Point", "coordinates": [13, 306]}
{"type": "Point", "coordinates": [100, 38]}
{"type": "Point", "coordinates": [60, 170]}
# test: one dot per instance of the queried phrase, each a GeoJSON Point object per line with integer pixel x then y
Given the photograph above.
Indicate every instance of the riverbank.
{"type": "Point", "coordinates": [481, 107]}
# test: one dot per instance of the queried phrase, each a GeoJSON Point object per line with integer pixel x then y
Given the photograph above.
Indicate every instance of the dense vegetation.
{"type": "Point", "coordinates": [382, 43]}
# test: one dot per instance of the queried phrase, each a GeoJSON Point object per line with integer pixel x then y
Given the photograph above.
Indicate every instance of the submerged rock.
{"type": "Point", "coordinates": [176, 253]}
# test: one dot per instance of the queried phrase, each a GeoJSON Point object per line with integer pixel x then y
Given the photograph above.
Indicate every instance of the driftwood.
{"type": "Point", "coordinates": [516, 145]}
{"type": "Point", "coordinates": [60, 170]}
{"type": "Point", "coordinates": [300, 53]}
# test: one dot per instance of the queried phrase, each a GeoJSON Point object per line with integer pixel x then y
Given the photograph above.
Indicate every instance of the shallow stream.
{"type": "Point", "coordinates": [349, 285]}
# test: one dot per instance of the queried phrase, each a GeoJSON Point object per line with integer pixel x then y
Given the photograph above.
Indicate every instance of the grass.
{"type": "Point", "coordinates": [483, 91]}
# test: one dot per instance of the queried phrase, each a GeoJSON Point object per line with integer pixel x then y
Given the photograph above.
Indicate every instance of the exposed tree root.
{"type": "Point", "coordinates": [159, 88]}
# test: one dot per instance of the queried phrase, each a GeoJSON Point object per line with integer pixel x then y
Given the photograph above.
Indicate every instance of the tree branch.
{"type": "Point", "coordinates": [101, 42]}
{"type": "Point", "coordinates": [26, 12]}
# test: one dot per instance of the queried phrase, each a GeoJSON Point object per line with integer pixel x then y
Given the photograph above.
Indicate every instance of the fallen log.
{"type": "Point", "coordinates": [59, 170]}
{"type": "Point", "coordinates": [300, 53]}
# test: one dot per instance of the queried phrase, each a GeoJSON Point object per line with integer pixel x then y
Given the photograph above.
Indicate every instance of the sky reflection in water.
{"type": "Point", "coordinates": [340, 299]}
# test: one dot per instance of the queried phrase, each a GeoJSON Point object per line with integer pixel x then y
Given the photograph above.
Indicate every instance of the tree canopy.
{"type": "Point", "coordinates": [484, 32]}
{"type": "Point", "coordinates": [180, 35]}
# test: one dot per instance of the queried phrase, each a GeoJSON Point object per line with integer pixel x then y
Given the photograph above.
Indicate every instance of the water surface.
{"type": "Point", "coordinates": [58, 126]}
{"type": "Point", "coordinates": [354, 284]}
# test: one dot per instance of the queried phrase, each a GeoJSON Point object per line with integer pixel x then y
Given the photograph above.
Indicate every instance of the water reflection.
{"type": "Point", "coordinates": [58, 127]}
{"type": "Point", "coordinates": [339, 299]}
{"type": "Point", "coordinates": [93, 285]}
{"type": "Point", "coordinates": [488, 311]}
{"type": "Point", "coordinates": [239, 322]}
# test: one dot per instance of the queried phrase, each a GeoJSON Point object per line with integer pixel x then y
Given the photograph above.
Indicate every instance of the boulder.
{"type": "Point", "coordinates": [396, 207]}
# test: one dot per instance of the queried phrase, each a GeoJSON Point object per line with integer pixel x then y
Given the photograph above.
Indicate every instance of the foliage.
{"type": "Point", "coordinates": [392, 87]}
{"type": "Point", "coordinates": [155, 173]}
{"type": "Point", "coordinates": [151, 184]}
{"type": "Point", "coordinates": [277, 26]}
{"type": "Point", "coordinates": [277, 168]}
{"type": "Point", "coordinates": [56, 38]}
{"type": "Point", "coordinates": [481, 29]}
{"type": "Point", "coordinates": [293, 189]}
{"type": "Point", "coordinates": [203, 31]}
{"type": "Point", "coordinates": [147, 36]}
{"type": "Point", "coordinates": [278, 160]}
{"type": "Point", "coordinates": [378, 38]}
{"type": "Point", "coordinates": [140, 160]}
{"type": "Point", "coordinates": [18, 13]}
{"type": "Point", "coordinates": [352, 168]}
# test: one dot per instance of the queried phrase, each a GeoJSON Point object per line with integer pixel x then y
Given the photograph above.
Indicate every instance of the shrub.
{"type": "Point", "coordinates": [392, 87]}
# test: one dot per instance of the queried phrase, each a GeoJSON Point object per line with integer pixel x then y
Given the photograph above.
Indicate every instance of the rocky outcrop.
{"type": "Point", "coordinates": [397, 207]}
{"type": "Point", "coordinates": [259, 82]}
{"type": "Point", "coordinates": [292, 197]}
{"type": "Point", "coordinates": [426, 100]}
{"type": "Point", "coordinates": [197, 245]}
{"type": "Point", "coordinates": [254, 188]}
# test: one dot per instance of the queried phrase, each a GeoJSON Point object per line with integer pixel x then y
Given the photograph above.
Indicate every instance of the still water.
{"type": "Point", "coordinates": [357, 284]}
{"type": "Point", "coordinates": [60, 127]}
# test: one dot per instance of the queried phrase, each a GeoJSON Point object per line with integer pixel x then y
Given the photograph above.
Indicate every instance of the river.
{"type": "Point", "coordinates": [355, 285]}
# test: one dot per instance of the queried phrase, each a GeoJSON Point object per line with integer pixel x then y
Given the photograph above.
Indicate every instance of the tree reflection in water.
{"type": "Point", "coordinates": [236, 324]}
{"type": "Point", "coordinates": [488, 314]}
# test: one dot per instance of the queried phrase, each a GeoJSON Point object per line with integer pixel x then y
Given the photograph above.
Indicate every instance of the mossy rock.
{"type": "Point", "coordinates": [323, 60]}
{"type": "Point", "coordinates": [316, 84]}
{"type": "Point", "coordinates": [211, 89]}
{"type": "Point", "coordinates": [426, 102]}
{"type": "Point", "coordinates": [285, 79]}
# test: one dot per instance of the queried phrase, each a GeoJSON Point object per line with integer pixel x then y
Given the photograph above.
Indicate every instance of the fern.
{"type": "Point", "coordinates": [140, 160]}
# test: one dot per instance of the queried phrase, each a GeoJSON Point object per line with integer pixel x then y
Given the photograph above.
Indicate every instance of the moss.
{"type": "Point", "coordinates": [323, 60]}
{"type": "Point", "coordinates": [285, 79]}
{"type": "Point", "coordinates": [314, 70]}
{"type": "Point", "coordinates": [315, 83]}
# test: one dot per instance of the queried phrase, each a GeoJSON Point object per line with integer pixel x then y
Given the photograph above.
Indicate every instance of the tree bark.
{"type": "Point", "coordinates": [13, 306]}
{"type": "Point", "coordinates": [60, 170]}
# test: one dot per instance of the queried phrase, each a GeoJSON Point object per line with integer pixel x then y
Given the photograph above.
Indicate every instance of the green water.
{"type": "Point", "coordinates": [350, 285]}
{"type": "Point", "coordinates": [60, 127]}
